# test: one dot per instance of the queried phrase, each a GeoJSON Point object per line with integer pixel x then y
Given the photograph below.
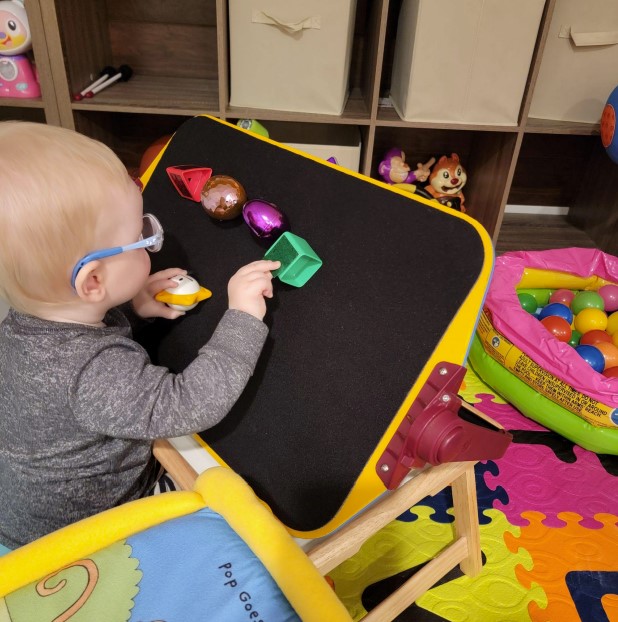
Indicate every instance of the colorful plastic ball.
{"type": "Point", "coordinates": [611, 372]}
{"type": "Point", "coordinates": [593, 337]}
{"type": "Point", "coordinates": [558, 327]}
{"type": "Point", "coordinates": [540, 295]}
{"type": "Point", "coordinates": [557, 309]}
{"type": "Point", "coordinates": [612, 323]}
{"type": "Point", "coordinates": [592, 356]}
{"type": "Point", "coordinates": [615, 338]}
{"type": "Point", "coordinates": [563, 296]}
{"type": "Point", "coordinates": [609, 293]}
{"type": "Point", "coordinates": [528, 302]}
{"type": "Point", "coordinates": [590, 319]}
{"type": "Point", "coordinates": [575, 338]}
{"type": "Point", "coordinates": [223, 197]}
{"type": "Point", "coordinates": [586, 300]}
{"type": "Point", "coordinates": [609, 352]}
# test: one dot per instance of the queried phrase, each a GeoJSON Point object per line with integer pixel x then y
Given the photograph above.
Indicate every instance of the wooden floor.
{"type": "Point", "coordinates": [536, 232]}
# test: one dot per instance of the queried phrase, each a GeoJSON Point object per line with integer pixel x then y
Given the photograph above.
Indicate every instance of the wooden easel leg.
{"type": "Point", "coordinates": [466, 519]}
{"type": "Point", "coordinates": [171, 460]}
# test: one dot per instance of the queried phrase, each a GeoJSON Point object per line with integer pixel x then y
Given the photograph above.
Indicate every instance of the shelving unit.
{"type": "Point", "coordinates": [179, 53]}
{"type": "Point", "coordinates": [43, 109]}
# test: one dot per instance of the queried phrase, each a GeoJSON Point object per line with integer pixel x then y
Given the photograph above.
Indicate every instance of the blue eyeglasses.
{"type": "Point", "coordinates": [151, 239]}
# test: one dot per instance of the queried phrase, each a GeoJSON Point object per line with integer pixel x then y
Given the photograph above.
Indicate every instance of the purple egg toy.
{"type": "Point", "coordinates": [265, 220]}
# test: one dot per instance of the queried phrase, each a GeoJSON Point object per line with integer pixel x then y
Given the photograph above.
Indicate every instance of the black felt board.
{"type": "Point", "coordinates": [345, 349]}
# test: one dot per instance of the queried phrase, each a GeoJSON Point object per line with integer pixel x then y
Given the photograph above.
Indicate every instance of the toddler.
{"type": "Point", "coordinates": [80, 401]}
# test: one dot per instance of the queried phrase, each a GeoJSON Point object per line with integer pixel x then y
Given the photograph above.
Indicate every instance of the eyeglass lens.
{"type": "Point", "coordinates": [150, 227]}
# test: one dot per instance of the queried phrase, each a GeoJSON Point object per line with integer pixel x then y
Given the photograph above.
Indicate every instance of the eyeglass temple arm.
{"type": "Point", "coordinates": [108, 252]}
{"type": "Point", "coordinates": [145, 243]}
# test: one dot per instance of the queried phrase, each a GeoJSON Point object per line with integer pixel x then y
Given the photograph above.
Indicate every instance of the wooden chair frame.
{"type": "Point", "coordinates": [332, 550]}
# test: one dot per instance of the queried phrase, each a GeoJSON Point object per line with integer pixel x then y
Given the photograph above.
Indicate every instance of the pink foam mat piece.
{"type": "Point", "coordinates": [536, 480]}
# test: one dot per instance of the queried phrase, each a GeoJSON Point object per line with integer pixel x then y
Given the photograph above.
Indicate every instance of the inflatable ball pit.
{"type": "Point", "coordinates": [541, 376]}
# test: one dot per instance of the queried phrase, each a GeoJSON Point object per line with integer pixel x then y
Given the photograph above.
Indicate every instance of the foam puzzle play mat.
{"type": "Point", "coordinates": [549, 535]}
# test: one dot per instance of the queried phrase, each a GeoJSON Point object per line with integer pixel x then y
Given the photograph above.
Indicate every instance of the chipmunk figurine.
{"type": "Point", "coordinates": [446, 181]}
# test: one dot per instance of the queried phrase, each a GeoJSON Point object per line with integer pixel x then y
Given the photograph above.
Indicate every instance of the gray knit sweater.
{"type": "Point", "coordinates": [80, 407]}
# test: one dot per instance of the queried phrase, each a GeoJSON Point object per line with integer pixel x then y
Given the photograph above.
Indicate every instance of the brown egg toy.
{"type": "Point", "coordinates": [223, 197]}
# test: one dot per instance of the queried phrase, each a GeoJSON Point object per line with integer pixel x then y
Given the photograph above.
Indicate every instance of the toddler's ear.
{"type": "Point", "coordinates": [89, 284]}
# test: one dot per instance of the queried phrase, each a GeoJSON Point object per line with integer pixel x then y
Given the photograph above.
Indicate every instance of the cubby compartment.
{"type": "Point", "coordinates": [290, 56]}
{"type": "Point", "coordinates": [18, 76]}
{"type": "Point", "coordinates": [569, 171]}
{"type": "Point", "coordinates": [482, 54]}
{"type": "Point", "coordinates": [11, 113]}
{"type": "Point", "coordinates": [129, 135]}
{"type": "Point", "coordinates": [484, 155]}
{"type": "Point", "coordinates": [550, 168]}
{"type": "Point", "coordinates": [364, 61]}
{"type": "Point", "coordinates": [321, 140]}
{"type": "Point", "coordinates": [171, 49]}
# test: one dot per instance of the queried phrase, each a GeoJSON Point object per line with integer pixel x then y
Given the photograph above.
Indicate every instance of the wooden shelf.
{"type": "Point", "coordinates": [156, 95]}
{"type": "Point", "coordinates": [550, 126]}
{"type": "Point", "coordinates": [539, 232]}
{"type": "Point", "coordinates": [180, 55]}
{"type": "Point", "coordinates": [19, 102]}
{"type": "Point", "coordinates": [388, 117]}
{"type": "Point", "coordinates": [354, 113]}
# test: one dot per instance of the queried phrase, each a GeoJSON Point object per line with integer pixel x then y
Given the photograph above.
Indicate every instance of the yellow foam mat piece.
{"type": "Point", "coordinates": [495, 595]}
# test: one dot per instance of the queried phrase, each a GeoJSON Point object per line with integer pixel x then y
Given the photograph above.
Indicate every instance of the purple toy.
{"type": "Point", "coordinates": [265, 220]}
{"type": "Point", "coordinates": [394, 169]}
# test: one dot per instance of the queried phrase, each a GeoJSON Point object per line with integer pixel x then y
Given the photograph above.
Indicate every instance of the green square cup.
{"type": "Point", "coordinates": [299, 261]}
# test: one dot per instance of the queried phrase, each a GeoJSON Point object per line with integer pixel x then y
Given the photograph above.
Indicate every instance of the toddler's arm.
{"type": "Point", "coordinates": [120, 393]}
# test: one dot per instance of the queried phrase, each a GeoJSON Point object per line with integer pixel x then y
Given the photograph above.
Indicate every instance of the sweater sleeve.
{"type": "Point", "coordinates": [118, 392]}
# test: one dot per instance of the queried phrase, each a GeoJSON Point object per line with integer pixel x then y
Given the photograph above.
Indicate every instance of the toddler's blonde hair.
{"type": "Point", "coordinates": [54, 184]}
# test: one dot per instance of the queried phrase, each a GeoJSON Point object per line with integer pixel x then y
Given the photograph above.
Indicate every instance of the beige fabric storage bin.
{"type": "Point", "coordinates": [579, 68]}
{"type": "Point", "coordinates": [291, 54]}
{"type": "Point", "coordinates": [342, 142]}
{"type": "Point", "coordinates": [463, 61]}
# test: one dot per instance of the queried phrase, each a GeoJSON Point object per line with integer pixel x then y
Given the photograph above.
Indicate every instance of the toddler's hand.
{"type": "Point", "coordinates": [144, 303]}
{"type": "Point", "coordinates": [247, 289]}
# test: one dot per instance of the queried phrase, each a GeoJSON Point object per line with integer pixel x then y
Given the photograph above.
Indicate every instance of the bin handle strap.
{"type": "Point", "coordinates": [586, 39]}
{"type": "Point", "coordinates": [261, 17]}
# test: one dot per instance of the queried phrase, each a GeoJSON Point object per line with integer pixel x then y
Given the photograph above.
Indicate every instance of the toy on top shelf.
{"type": "Point", "coordinates": [104, 75]}
{"type": "Point", "coordinates": [447, 179]}
{"type": "Point", "coordinates": [394, 170]}
{"type": "Point", "coordinates": [17, 75]}
{"type": "Point", "coordinates": [184, 297]}
{"type": "Point", "coordinates": [123, 74]}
